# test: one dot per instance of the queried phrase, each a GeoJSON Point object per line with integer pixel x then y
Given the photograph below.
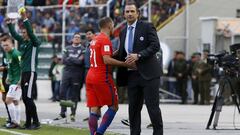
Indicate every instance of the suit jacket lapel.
{"type": "Point", "coordinates": [122, 49]}
{"type": "Point", "coordinates": [137, 30]}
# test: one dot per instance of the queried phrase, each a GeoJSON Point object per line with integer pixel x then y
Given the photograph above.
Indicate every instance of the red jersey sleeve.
{"type": "Point", "coordinates": [106, 47]}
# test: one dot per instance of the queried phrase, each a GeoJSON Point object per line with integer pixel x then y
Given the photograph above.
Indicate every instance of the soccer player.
{"type": "Point", "coordinates": [13, 79]}
{"type": "Point", "coordinates": [3, 69]}
{"type": "Point", "coordinates": [29, 48]}
{"type": "Point", "coordinates": [99, 82]}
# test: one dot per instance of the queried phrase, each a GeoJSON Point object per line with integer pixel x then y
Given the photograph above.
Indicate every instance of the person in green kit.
{"type": "Point", "coordinates": [29, 47]}
{"type": "Point", "coordinates": [181, 72]}
{"type": "Point", "coordinates": [204, 74]}
{"type": "Point", "coordinates": [196, 57]}
{"type": "Point", "coordinates": [13, 58]}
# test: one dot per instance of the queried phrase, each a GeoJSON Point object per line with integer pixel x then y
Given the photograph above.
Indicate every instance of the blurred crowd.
{"type": "Point", "coordinates": [57, 2]}
{"type": "Point", "coordinates": [161, 10]}
{"type": "Point", "coordinates": [46, 16]}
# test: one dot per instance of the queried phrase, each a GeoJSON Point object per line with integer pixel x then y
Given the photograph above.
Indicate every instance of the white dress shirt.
{"type": "Point", "coordinates": [133, 31]}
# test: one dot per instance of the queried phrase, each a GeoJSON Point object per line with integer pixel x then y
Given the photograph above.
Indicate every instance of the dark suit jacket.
{"type": "Point", "coordinates": [147, 44]}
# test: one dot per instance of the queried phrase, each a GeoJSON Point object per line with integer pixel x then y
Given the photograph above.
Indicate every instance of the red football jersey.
{"type": "Point", "coordinates": [99, 72]}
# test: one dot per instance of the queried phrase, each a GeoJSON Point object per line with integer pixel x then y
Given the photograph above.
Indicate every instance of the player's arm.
{"type": "Point", "coordinates": [30, 33]}
{"type": "Point", "coordinates": [19, 59]}
{"type": "Point", "coordinates": [108, 60]}
{"type": "Point", "coordinates": [12, 30]}
{"type": "Point", "coordinates": [9, 76]}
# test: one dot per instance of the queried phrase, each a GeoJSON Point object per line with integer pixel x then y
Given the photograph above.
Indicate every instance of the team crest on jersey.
{"type": "Point", "coordinates": [79, 51]}
{"type": "Point", "coordinates": [106, 48]}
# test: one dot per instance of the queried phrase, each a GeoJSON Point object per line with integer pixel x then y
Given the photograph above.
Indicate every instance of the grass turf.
{"type": "Point", "coordinates": [49, 130]}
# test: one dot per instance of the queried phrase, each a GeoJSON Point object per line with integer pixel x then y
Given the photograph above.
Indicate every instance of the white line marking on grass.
{"type": "Point", "coordinates": [13, 132]}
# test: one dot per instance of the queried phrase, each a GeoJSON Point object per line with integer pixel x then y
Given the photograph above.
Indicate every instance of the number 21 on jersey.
{"type": "Point", "coordinates": [93, 57]}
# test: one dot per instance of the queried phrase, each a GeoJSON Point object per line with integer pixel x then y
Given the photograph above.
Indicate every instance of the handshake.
{"type": "Point", "coordinates": [131, 60]}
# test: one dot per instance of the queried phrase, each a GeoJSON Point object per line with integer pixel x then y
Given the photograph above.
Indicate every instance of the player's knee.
{"type": "Point", "coordinates": [95, 110]}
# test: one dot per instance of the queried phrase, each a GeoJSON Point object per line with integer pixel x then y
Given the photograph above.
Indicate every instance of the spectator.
{"type": "Point", "coordinates": [204, 72]}
{"type": "Point", "coordinates": [71, 30]}
{"type": "Point", "coordinates": [57, 73]}
{"type": "Point", "coordinates": [51, 75]}
{"type": "Point", "coordinates": [48, 21]}
{"type": "Point", "coordinates": [170, 74]}
{"type": "Point", "coordinates": [181, 72]}
{"type": "Point", "coordinates": [193, 75]}
{"type": "Point", "coordinates": [57, 40]}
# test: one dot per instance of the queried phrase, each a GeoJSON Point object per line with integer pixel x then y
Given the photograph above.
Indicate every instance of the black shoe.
{"type": "Point", "coordinates": [60, 117]}
{"type": "Point", "coordinates": [35, 126]}
{"type": "Point", "coordinates": [72, 117]}
{"type": "Point", "coordinates": [125, 122]}
{"type": "Point", "coordinates": [97, 133]}
{"type": "Point", "coordinates": [150, 125]}
{"type": "Point", "coordinates": [12, 125]}
{"type": "Point", "coordinates": [86, 119]}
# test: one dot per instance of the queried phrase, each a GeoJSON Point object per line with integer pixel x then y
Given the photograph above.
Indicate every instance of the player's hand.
{"type": "Point", "coordinates": [131, 58]}
{"type": "Point", "coordinates": [8, 20]}
{"type": "Point", "coordinates": [131, 66]}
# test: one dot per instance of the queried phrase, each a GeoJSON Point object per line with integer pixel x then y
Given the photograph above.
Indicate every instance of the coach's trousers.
{"type": "Point", "coordinates": [139, 90]}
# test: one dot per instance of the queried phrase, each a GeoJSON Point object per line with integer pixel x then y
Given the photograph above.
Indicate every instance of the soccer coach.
{"type": "Point", "coordinates": [29, 48]}
{"type": "Point", "coordinates": [139, 44]}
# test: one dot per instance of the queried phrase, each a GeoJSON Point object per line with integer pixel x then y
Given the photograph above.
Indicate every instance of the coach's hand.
{"type": "Point", "coordinates": [131, 58]}
{"type": "Point", "coordinates": [131, 66]}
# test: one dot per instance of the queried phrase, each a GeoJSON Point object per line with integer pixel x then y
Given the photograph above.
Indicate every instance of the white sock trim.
{"type": "Point", "coordinates": [11, 108]}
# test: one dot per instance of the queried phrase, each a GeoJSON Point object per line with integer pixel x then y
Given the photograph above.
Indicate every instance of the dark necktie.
{"type": "Point", "coordinates": [130, 39]}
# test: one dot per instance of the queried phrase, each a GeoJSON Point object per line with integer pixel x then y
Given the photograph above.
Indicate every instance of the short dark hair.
{"type": "Point", "coordinates": [104, 21]}
{"type": "Point", "coordinates": [5, 37]}
{"type": "Point", "coordinates": [132, 2]}
{"type": "Point", "coordinates": [76, 33]}
{"type": "Point", "coordinates": [89, 30]}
